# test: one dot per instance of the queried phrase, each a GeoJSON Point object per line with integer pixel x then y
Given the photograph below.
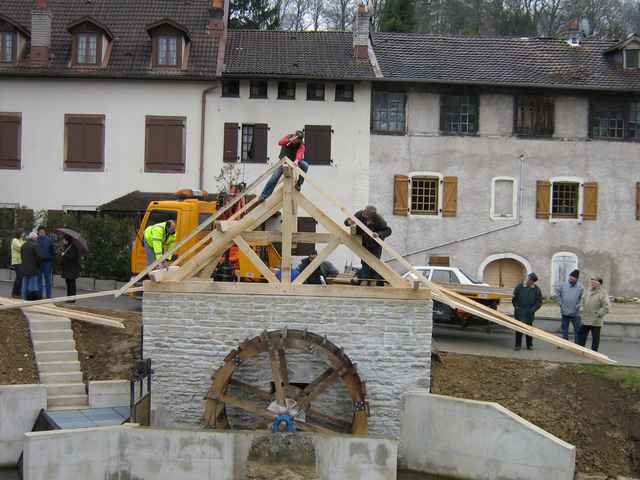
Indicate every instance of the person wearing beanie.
{"type": "Point", "coordinates": [569, 296]}
{"type": "Point", "coordinates": [527, 299]}
{"type": "Point", "coordinates": [595, 306]}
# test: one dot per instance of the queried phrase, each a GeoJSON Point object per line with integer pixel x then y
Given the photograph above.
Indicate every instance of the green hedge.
{"type": "Point", "coordinates": [109, 239]}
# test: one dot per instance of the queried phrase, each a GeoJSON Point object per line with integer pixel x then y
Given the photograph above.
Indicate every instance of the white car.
{"type": "Point", "coordinates": [450, 275]}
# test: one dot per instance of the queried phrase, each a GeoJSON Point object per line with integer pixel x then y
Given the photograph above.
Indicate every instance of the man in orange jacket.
{"type": "Point", "coordinates": [293, 148]}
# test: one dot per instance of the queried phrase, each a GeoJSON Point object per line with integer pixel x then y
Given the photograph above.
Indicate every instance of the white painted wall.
{"type": "Point", "coordinates": [42, 183]}
{"type": "Point", "coordinates": [347, 179]}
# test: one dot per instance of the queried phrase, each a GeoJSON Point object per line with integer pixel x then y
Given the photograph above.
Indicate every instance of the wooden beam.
{"type": "Point", "coordinates": [321, 257]}
{"type": "Point", "coordinates": [207, 271]}
{"type": "Point", "coordinates": [197, 230]}
{"type": "Point", "coordinates": [221, 241]}
{"type": "Point", "coordinates": [255, 259]}
{"type": "Point", "coordinates": [387, 273]}
{"type": "Point", "coordinates": [335, 291]}
{"type": "Point", "coordinates": [289, 223]}
{"type": "Point", "coordinates": [11, 304]}
{"type": "Point", "coordinates": [298, 237]}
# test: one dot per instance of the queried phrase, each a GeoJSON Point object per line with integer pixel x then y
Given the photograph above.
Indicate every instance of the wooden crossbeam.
{"type": "Point", "coordinates": [316, 262]}
{"type": "Point", "coordinates": [11, 304]}
{"type": "Point", "coordinates": [387, 272]}
{"type": "Point", "coordinates": [199, 229]}
{"type": "Point", "coordinates": [270, 236]}
{"type": "Point", "coordinates": [255, 259]}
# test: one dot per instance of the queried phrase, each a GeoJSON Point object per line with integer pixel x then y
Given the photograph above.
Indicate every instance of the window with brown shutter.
{"type": "Point", "coordinates": [10, 140]}
{"type": "Point", "coordinates": [305, 224]}
{"type": "Point", "coordinates": [165, 145]}
{"type": "Point", "coordinates": [543, 198]}
{"type": "Point", "coordinates": [401, 195]}
{"type": "Point", "coordinates": [439, 261]}
{"type": "Point", "coordinates": [450, 194]}
{"type": "Point", "coordinates": [317, 140]}
{"type": "Point", "coordinates": [590, 205]}
{"type": "Point", "coordinates": [254, 143]}
{"type": "Point", "coordinates": [84, 142]}
{"type": "Point", "coordinates": [230, 149]}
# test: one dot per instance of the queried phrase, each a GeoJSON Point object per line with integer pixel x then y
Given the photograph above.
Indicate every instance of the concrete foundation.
{"type": "Point", "coordinates": [478, 440]}
{"type": "Point", "coordinates": [130, 452]}
{"type": "Point", "coordinates": [189, 334]}
{"type": "Point", "coordinates": [19, 408]}
{"type": "Point", "coordinates": [112, 393]}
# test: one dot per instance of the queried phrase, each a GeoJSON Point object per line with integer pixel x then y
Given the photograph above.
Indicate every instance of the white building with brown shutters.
{"type": "Point", "coordinates": [496, 155]}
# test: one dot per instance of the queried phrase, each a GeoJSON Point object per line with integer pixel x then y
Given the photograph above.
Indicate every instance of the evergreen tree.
{"type": "Point", "coordinates": [398, 16]}
{"type": "Point", "coordinates": [253, 15]}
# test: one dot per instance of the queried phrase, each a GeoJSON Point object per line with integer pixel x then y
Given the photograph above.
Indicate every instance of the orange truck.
{"type": "Point", "coordinates": [189, 211]}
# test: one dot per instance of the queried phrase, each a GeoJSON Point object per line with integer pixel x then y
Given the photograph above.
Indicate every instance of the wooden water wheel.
{"type": "Point", "coordinates": [254, 399]}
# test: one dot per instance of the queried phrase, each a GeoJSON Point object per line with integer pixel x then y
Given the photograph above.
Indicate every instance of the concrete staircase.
{"type": "Point", "coordinates": [57, 360]}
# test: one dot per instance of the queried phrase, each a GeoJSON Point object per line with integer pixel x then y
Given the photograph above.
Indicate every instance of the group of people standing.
{"type": "Point", "coordinates": [32, 258]}
{"type": "Point", "coordinates": [584, 309]}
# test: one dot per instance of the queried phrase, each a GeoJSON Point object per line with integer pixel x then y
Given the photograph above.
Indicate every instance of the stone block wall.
{"type": "Point", "coordinates": [188, 335]}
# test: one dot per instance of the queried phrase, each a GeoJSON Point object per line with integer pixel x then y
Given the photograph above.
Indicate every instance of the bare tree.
{"type": "Point", "coordinates": [340, 13]}
{"type": "Point", "coordinates": [316, 12]}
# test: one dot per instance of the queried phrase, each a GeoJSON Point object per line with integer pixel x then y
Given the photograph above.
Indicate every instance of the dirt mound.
{"type": "Point", "coordinates": [17, 363]}
{"type": "Point", "coordinates": [600, 416]}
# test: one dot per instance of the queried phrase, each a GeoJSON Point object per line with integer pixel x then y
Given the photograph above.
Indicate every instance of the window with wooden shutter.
{"type": "Point", "coordinates": [439, 261]}
{"type": "Point", "coordinates": [254, 143]}
{"type": "Point", "coordinates": [317, 141]}
{"type": "Point", "coordinates": [590, 205]}
{"type": "Point", "coordinates": [230, 149]}
{"type": "Point", "coordinates": [165, 147]}
{"type": "Point", "coordinates": [84, 142]}
{"type": "Point", "coordinates": [450, 203]}
{"type": "Point", "coordinates": [543, 198]}
{"type": "Point", "coordinates": [305, 224]}
{"type": "Point", "coordinates": [401, 195]}
{"type": "Point", "coordinates": [637, 200]}
{"type": "Point", "coordinates": [10, 140]}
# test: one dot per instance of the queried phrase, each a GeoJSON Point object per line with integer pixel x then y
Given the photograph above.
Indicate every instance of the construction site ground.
{"type": "Point", "coordinates": [595, 408]}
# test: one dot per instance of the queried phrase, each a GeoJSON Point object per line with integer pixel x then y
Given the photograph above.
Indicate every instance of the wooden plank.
{"type": "Point", "coordinates": [207, 271]}
{"type": "Point", "coordinates": [11, 304]}
{"type": "Point", "coordinates": [221, 241]}
{"type": "Point", "coordinates": [335, 291]}
{"type": "Point", "coordinates": [387, 273]}
{"type": "Point", "coordinates": [252, 389]}
{"type": "Point", "coordinates": [197, 230]}
{"type": "Point", "coordinates": [279, 374]}
{"type": "Point", "coordinates": [322, 256]}
{"type": "Point", "coordinates": [289, 224]}
{"type": "Point", "coordinates": [298, 237]}
{"type": "Point", "coordinates": [73, 314]}
{"type": "Point", "coordinates": [318, 388]}
{"type": "Point", "coordinates": [255, 259]}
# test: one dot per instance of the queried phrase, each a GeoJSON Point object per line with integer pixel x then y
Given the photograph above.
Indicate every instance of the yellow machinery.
{"type": "Point", "coordinates": [188, 213]}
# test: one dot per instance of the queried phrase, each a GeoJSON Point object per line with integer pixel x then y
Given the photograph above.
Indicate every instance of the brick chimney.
{"type": "Point", "coordinates": [217, 21]}
{"type": "Point", "coordinates": [361, 27]}
{"type": "Point", "coordinates": [40, 34]}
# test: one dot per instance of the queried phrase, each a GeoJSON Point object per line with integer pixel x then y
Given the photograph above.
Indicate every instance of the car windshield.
{"type": "Point", "coordinates": [471, 279]}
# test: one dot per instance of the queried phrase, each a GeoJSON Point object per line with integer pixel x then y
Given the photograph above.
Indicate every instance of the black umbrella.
{"type": "Point", "coordinates": [76, 239]}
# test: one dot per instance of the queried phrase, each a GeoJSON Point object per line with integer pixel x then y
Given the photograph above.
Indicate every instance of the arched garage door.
{"type": "Point", "coordinates": [504, 273]}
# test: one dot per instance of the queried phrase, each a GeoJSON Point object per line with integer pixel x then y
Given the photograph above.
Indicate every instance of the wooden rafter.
{"type": "Point", "coordinates": [255, 259]}
{"type": "Point", "coordinates": [316, 262]}
{"type": "Point", "coordinates": [289, 223]}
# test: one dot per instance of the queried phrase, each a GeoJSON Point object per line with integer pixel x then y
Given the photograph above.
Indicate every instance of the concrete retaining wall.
{"type": "Point", "coordinates": [19, 408]}
{"type": "Point", "coordinates": [478, 440]}
{"type": "Point", "coordinates": [188, 335]}
{"type": "Point", "coordinates": [130, 452]}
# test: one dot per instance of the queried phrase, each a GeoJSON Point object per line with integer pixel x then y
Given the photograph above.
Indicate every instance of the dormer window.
{"type": "Point", "coordinates": [91, 43]}
{"type": "Point", "coordinates": [632, 58]}
{"type": "Point", "coordinates": [6, 47]}
{"type": "Point", "coordinates": [170, 44]}
{"type": "Point", "coordinates": [167, 50]}
{"type": "Point", "coordinates": [87, 48]}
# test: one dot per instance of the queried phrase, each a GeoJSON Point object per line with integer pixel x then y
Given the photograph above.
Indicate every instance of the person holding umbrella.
{"type": "Point", "coordinates": [74, 247]}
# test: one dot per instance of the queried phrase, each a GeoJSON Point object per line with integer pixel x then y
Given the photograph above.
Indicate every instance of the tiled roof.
{"type": "Point", "coordinates": [521, 62]}
{"type": "Point", "coordinates": [127, 20]}
{"type": "Point", "coordinates": [322, 55]}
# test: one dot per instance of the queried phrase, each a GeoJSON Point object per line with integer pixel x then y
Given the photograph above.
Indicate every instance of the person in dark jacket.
{"type": "Point", "coordinates": [527, 299]}
{"type": "Point", "coordinates": [47, 253]}
{"type": "Point", "coordinates": [370, 217]}
{"type": "Point", "coordinates": [321, 274]}
{"type": "Point", "coordinates": [70, 264]}
{"type": "Point", "coordinates": [30, 268]}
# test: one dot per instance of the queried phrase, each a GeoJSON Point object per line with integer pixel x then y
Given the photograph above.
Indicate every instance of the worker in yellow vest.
{"type": "Point", "coordinates": [158, 239]}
